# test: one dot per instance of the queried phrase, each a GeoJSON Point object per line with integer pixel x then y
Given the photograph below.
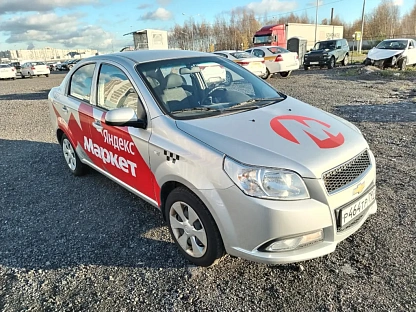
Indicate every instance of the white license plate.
{"type": "Point", "coordinates": [352, 211]}
{"type": "Point", "coordinates": [314, 63]}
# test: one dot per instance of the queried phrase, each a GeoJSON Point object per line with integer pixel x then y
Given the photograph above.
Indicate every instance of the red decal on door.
{"type": "Point", "coordinates": [331, 140]}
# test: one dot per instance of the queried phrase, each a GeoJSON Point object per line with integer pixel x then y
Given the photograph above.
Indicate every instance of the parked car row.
{"type": "Point", "coordinates": [7, 71]}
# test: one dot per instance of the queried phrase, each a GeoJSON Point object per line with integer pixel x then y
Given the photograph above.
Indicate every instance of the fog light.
{"type": "Point", "coordinates": [296, 242]}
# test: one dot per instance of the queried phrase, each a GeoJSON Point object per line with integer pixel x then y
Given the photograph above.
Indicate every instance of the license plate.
{"type": "Point", "coordinates": [257, 65]}
{"type": "Point", "coordinates": [352, 211]}
{"type": "Point", "coordinates": [314, 63]}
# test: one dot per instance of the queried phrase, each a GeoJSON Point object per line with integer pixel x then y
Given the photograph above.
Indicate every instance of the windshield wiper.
{"type": "Point", "coordinates": [200, 108]}
{"type": "Point", "coordinates": [253, 103]}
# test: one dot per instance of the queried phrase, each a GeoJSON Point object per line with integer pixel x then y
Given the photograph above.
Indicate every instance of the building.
{"type": "Point", "coordinates": [46, 54]}
{"type": "Point", "coordinates": [150, 39]}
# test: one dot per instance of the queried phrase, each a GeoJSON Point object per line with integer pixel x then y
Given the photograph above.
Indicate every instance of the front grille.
{"type": "Point", "coordinates": [344, 174]}
{"type": "Point", "coordinates": [314, 58]}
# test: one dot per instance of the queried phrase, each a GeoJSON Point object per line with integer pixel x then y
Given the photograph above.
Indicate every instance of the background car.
{"type": "Point", "coordinates": [213, 73]}
{"type": "Point", "coordinates": [392, 53]}
{"type": "Point", "coordinates": [7, 72]}
{"type": "Point", "coordinates": [252, 63]}
{"type": "Point", "coordinates": [17, 66]}
{"type": "Point", "coordinates": [327, 53]}
{"type": "Point", "coordinates": [35, 69]}
{"type": "Point", "coordinates": [53, 65]}
{"type": "Point", "coordinates": [277, 60]}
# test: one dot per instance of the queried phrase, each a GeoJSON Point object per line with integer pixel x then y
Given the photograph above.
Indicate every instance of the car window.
{"type": "Point", "coordinates": [248, 51]}
{"type": "Point", "coordinates": [204, 86]}
{"type": "Point", "coordinates": [222, 54]}
{"type": "Point", "coordinates": [411, 43]}
{"type": "Point", "coordinates": [241, 55]}
{"type": "Point", "coordinates": [392, 45]}
{"type": "Point", "coordinates": [115, 89]}
{"type": "Point", "coordinates": [81, 80]}
{"type": "Point", "coordinates": [277, 50]}
{"type": "Point", "coordinates": [258, 53]}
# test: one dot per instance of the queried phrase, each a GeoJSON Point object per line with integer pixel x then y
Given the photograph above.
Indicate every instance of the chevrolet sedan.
{"type": "Point", "coordinates": [239, 168]}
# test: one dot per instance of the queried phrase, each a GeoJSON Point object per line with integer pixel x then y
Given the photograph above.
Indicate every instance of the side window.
{"type": "Point", "coordinates": [258, 53]}
{"type": "Point", "coordinates": [81, 80]}
{"type": "Point", "coordinates": [115, 89]}
{"type": "Point", "coordinates": [248, 51]}
{"type": "Point", "coordinates": [411, 44]}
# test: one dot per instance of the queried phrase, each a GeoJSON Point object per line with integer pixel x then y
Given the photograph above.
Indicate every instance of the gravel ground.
{"type": "Point", "coordinates": [86, 244]}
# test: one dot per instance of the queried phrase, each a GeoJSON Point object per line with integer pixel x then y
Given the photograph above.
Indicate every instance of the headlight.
{"type": "Point", "coordinates": [325, 55]}
{"type": "Point", "coordinates": [281, 184]}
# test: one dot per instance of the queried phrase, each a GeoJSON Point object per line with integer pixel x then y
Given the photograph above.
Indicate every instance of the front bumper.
{"type": "Point", "coordinates": [247, 224]}
{"type": "Point", "coordinates": [321, 62]}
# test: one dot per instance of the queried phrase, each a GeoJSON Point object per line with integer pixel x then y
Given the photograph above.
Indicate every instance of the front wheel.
{"type": "Point", "coordinates": [305, 67]}
{"type": "Point", "coordinates": [267, 75]}
{"type": "Point", "coordinates": [331, 63]}
{"type": "Point", "coordinates": [192, 228]}
{"type": "Point", "coordinates": [76, 167]}
{"type": "Point", "coordinates": [402, 63]}
{"type": "Point", "coordinates": [285, 74]}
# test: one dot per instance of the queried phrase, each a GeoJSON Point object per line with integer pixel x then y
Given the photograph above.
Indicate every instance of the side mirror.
{"type": "Point", "coordinates": [124, 117]}
{"type": "Point", "coordinates": [338, 47]}
{"type": "Point", "coordinates": [411, 47]}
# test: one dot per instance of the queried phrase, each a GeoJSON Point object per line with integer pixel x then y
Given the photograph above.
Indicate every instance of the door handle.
{"type": "Point", "coordinates": [97, 125]}
{"type": "Point", "coordinates": [65, 109]}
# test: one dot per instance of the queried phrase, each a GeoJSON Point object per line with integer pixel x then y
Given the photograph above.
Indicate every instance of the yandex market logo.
{"type": "Point", "coordinates": [309, 125]}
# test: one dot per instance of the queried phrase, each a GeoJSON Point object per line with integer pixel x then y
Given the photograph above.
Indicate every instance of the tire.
{"type": "Point", "coordinates": [47, 75]}
{"type": "Point", "coordinates": [30, 75]}
{"type": "Point", "coordinates": [267, 75]}
{"type": "Point", "coordinates": [228, 79]}
{"type": "Point", "coordinates": [14, 78]}
{"type": "Point", "coordinates": [331, 63]}
{"type": "Point", "coordinates": [23, 76]}
{"type": "Point", "coordinates": [203, 249]}
{"type": "Point", "coordinates": [305, 67]}
{"type": "Point", "coordinates": [285, 74]}
{"type": "Point", "coordinates": [73, 162]}
{"type": "Point", "coordinates": [402, 63]}
{"type": "Point", "coordinates": [345, 60]}
{"type": "Point", "coordinates": [367, 62]}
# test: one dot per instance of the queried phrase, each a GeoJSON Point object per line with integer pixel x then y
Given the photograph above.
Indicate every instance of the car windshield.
{"type": "Point", "coordinates": [198, 87]}
{"type": "Point", "coordinates": [263, 39]}
{"type": "Point", "coordinates": [392, 45]}
{"type": "Point", "coordinates": [323, 45]}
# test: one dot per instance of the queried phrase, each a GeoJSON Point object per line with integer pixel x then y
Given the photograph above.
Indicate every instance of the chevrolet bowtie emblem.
{"type": "Point", "coordinates": [358, 189]}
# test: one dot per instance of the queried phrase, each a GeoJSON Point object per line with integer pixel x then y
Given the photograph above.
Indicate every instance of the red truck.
{"type": "Point", "coordinates": [277, 35]}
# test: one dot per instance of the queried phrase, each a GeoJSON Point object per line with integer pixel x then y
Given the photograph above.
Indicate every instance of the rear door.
{"type": "Point", "coordinates": [411, 59]}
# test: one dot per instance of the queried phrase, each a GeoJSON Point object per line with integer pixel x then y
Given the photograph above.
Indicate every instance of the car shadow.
{"type": "Point", "coordinates": [33, 96]}
{"type": "Point", "coordinates": [51, 219]}
{"type": "Point", "coordinates": [383, 113]}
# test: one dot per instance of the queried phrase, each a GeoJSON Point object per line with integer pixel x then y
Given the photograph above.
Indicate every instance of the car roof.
{"type": "Point", "coordinates": [142, 56]}
{"type": "Point", "coordinates": [228, 51]}
{"type": "Point", "coordinates": [395, 39]}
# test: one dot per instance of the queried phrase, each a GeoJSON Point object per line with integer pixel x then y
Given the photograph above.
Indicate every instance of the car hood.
{"type": "Point", "coordinates": [289, 134]}
{"type": "Point", "coordinates": [381, 54]}
{"type": "Point", "coordinates": [319, 51]}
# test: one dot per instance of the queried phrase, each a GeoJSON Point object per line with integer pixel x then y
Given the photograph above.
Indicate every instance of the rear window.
{"type": "Point", "coordinates": [276, 50]}
{"type": "Point", "coordinates": [241, 55]}
{"type": "Point", "coordinates": [38, 63]}
{"type": "Point", "coordinates": [4, 65]}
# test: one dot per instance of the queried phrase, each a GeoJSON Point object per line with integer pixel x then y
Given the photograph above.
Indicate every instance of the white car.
{"type": "Point", "coordinates": [252, 63]}
{"type": "Point", "coordinates": [213, 73]}
{"type": "Point", "coordinates": [7, 72]}
{"type": "Point", "coordinates": [240, 168]}
{"type": "Point", "coordinates": [393, 53]}
{"type": "Point", "coordinates": [31, 69]}
{"type": "Point", "coordinates": [277, 60]}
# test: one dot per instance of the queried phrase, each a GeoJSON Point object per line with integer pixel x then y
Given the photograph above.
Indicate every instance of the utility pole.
{"type": "Point", "coordinates": [362, 28]}
{"type": "Point", "coordinates": [332, 18]}
{"type": "Point", "coordinates": [316, 19]}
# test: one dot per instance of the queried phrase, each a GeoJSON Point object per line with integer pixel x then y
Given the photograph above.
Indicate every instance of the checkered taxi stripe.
{"type": "Point", "coordinates": [171, 156]}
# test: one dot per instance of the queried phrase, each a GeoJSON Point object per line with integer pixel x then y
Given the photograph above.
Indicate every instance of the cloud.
{"type": "Point", "coordinates": [144, 6]}
{"type": "Point", "coordinates": [159, 14]}
{"type": "Point", "coordinates": [163, 2]}
{"type": "Point", "coordinates": [267, 6]}
{"type": "Point", "coordinates": [53, 29]}
{"type": "Point", "coordinates": [398, 2]}
{"type": "Point", "coordinates": [8, 6]}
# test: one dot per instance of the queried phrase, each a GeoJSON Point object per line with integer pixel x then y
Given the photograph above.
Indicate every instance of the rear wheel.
{"type": "Point", "coordinates": [47, 75]}
{"type": "Point", "coordinates": [331, 63]}
{"type": "Point", "coordinates": [345, 60]}
{"type": "Point", "coordinates": [30, 75]}
{"type": "Point", "coordinates": [285, 74]}
{"type": "Point", "coordinates": [228, 78]}
{"type": "Point", "coordinates": [76, 167]}
{"type": "Point", "coordinates": [305, 67]}
{"type": "Point", "coordinates": [192, 228]}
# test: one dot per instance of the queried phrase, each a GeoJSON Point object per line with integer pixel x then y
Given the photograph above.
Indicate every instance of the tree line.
{"type": "Point", "coordinates": [236, 30]}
